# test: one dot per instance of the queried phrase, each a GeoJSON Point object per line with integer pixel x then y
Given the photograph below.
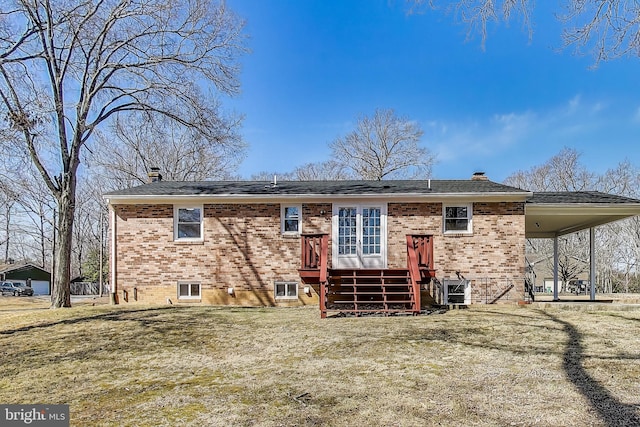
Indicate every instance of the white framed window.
{"type": "Point", "coordinates": [457, 291]}
{"type": "Point", "coordinates": [286, 290]}
{"type": "Point", "coordinates": [189, 290]}
{"type": "Point", "coordinates": [457, 218]}
{"type": "Point", "coordinates": [187, 223]}
{"type": "Point", "coordinates": [291, 219]}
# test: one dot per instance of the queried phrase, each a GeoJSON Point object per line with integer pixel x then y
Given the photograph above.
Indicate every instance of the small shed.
{"type": "Point", "coordinates": [29, 274]}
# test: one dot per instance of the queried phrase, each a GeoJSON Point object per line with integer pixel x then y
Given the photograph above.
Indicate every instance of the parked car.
{"type": "Point", "coordinates": [15, 289]}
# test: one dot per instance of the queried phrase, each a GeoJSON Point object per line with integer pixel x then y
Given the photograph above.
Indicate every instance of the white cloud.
{"type": "Point", "coordinates": [519, 139]}
{"type": "Point", "coordinates": [478, 139]}
{"type": "Point", "coordinates": [574, 104]}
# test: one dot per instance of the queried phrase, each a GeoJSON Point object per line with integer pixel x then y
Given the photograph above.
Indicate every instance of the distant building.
{"type": "Point", "coordinates": [29, 274]}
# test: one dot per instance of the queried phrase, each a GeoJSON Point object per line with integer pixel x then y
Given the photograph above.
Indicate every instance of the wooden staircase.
{"type": "Point", "coordinates": [381, 291]}
{"type": "Point", "coordinates": [358, 291]}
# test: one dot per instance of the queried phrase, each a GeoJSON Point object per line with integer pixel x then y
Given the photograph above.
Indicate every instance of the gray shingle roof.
{"type": "Point", "coordinates": [578, 197]}
{"type": "Point", "coordinates": [355, 188]}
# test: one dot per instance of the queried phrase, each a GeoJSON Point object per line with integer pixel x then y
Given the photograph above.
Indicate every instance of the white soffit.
{"type": "Point", "coordinates": [551, 220]}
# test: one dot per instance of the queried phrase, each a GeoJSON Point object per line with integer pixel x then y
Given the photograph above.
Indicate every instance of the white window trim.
{"type": "Point", "coordinates": [469, 207]}
{"type": "Point", "coordinates": [282, 219]}
{"type": "Point", "coordinates": [189, 297]}
{"type": "Point", "coordinates": [175, 223]}
{"type": "Point", "coordinates": [286, 297]}
{"type": "Point", "coordinates": [467, 290]}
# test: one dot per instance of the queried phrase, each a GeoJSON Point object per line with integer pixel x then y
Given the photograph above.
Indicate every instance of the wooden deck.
{"type": "Point", "coordinates": [360, 291]}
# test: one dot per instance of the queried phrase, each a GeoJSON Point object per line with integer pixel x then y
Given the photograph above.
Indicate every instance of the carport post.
{"type": "Point", "coordinates": [592, 262]}
{"type": "Point", "coordinates": [555, 268]}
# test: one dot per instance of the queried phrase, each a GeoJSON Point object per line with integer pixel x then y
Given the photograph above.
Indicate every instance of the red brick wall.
{"type": "Point", "coordinates": [492, 257]}
{"type": "Point", "coordinates": [243, 248]}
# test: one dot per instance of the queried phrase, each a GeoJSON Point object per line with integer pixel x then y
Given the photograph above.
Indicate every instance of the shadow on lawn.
{"type": "Point", "coordinates": [112, 315]}
{"type": "Point", "coordinates": [609, 409]}
{"type": "Point", "coordinates": [617, 316]}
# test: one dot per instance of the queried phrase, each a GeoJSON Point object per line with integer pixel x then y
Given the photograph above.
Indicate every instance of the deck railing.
{"type": "Point", "coordinates": [414, 271]}
{"type": "Point", "coordinates": [314, 265]}
{"type": "Point", "coordinates": [420, 261]}
{"type": "Point", "coordinates": [315, 248]}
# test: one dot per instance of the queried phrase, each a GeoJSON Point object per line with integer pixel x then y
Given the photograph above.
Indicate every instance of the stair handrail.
{"type": "Point", "coordinates": [315, 256]}
{"type": "Point", "coordinates": [324, 255]}
{"type": "Point", "coordinates": [414, 271]}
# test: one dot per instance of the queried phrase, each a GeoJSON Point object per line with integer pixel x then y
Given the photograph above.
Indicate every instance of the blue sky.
{"type": "Point", "coordinates": [316, 66]}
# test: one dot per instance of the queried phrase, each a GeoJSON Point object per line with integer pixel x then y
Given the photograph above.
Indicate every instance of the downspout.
{"type": "Point", "coordinates": [592, 262]}
{"type": "Point", "coordinates": [113, 285]}
{"type": "Point", "coordinates": [555, 268]}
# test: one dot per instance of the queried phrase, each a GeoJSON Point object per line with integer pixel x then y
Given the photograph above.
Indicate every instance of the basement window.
{"type": "Point", "coordinates": [457, 291]}
{"type": "Point", "coordinates": [188, 290]}
{"type": "Point", "coordinates": [286, 290]}
{"type": "Point", "coordinates": [457, 218]}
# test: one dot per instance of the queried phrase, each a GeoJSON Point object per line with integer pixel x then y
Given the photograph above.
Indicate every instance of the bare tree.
{"type": "Point", "coordinates": [271, 176]}
{"type": "Point", "coordinates": [383, 146]}
{"type": "Point", "coordinates": [134, 144]}
{"type": "Point", "coordinates": [562, 172]}
{"type": "Point", "coordinates": [478, 14]}
{"type": "Point", "coordinates": [322, 171]}
{"type": "Point", "coordinates": [605, 29]}
{"type": "Point", "coordinates": [623, 180]}
{"type": "Point", "coordinates": [330, 170]}
{"type": "Point", "coordinates": [619, 246]}
{"type": "Point", "coordinates": [7, 201]}
{"type": "Point", "coordinates": [68, 67]}
{"type": "Point", "coordinates": [37, 206]}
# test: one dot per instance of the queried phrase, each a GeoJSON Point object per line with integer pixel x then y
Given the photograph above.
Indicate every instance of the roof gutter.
{"type": "Point", "coordinates": [276, 198]}
{"type": "Point", "coordinates": [587, 208]}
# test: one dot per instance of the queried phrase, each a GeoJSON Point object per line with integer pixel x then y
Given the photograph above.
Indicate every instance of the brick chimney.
{"type": "Point", "coordinates": [154, 175]}
{"type": "Point", "coordinates": [479, 176]}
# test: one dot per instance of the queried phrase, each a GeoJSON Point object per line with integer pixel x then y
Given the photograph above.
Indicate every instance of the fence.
{"type": "Point", "coordinates": [88, 288]}
{"type": "Point", "coordinates": [478, 290]}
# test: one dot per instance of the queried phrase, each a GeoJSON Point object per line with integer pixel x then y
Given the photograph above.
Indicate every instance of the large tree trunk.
{"type": "Point", "coordinates": [61, 292]}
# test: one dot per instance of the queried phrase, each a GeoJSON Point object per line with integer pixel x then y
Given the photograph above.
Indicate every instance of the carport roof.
{"type": "Point", "coordinates": [550, 214]}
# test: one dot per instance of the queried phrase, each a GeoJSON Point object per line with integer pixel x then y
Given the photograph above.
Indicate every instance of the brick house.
{"type": "Point", "coordinates": [343, 245]}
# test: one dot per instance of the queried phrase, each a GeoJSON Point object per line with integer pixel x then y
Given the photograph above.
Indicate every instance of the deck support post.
{"type": "Point", "coordinates": [323, 300]}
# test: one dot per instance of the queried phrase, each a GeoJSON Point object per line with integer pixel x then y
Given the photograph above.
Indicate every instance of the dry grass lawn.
{"type": "Point", "coordinates": [206, 366]}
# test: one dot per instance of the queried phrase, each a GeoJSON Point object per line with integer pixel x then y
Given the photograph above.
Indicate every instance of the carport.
{"type": "Point", "coordinates": [554, 214]}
